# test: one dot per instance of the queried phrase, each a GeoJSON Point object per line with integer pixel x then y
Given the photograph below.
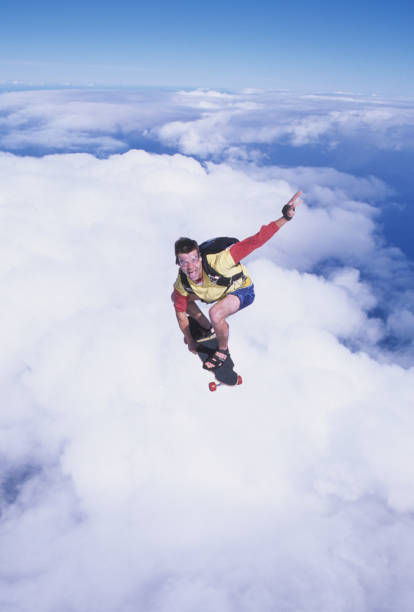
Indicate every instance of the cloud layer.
{"type": "Point", "coordinates": [200, 122]}
{"type": "Point", "coordinates": [126, 485]}
{"type": "Point", "coordinates": [355, 134]}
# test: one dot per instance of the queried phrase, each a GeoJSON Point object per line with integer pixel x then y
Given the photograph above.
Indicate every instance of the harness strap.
{"type": "Point", "coordinates": [217, 279]}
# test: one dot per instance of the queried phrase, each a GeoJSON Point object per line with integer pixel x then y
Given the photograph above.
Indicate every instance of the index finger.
{"type": "Point", "coordinates": [292, 201]}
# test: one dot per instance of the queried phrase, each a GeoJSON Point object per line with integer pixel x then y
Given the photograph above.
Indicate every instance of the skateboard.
{"type": "Point", "coordinates": [225, 374]}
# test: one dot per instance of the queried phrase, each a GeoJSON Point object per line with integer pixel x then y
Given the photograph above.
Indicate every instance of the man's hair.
{"type": "Point", "coordinates": [185, 245]}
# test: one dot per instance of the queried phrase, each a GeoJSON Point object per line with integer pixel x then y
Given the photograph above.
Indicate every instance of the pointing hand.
{"type": "Point", "coordinates": [288, 211]}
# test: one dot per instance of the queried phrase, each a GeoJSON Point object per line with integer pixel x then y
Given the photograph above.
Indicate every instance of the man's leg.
{"type": "Point", "coordinates": [218, 314]}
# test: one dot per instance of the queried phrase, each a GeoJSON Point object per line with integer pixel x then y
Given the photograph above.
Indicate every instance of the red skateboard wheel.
{"type": "Point", "coordinates": [212, 386]}
{"type": "Point", "coordinates": [239, 380]}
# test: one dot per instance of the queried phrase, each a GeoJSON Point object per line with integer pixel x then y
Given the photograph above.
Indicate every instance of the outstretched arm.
{"type": "Point", "coordinates": [243, 248]}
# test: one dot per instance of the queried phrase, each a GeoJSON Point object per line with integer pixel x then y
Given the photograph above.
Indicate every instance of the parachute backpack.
{"type": "Point", "coordinates": [210, 247]}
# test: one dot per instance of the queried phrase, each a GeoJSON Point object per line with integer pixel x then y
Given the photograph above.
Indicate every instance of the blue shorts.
{"type": "Point", "coordinates": [245, 295]}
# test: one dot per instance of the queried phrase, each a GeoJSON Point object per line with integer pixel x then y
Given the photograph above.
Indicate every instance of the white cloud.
{"type": "Point", "coordinates": [200, 122]}
{"type": "Point", "coordinates": [146, 491]}
{"type": "Point", "coordinates": [254, 118]}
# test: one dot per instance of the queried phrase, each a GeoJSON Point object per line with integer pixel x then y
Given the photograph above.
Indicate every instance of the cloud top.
{"type": "Point", "coordinates": [200, 122]}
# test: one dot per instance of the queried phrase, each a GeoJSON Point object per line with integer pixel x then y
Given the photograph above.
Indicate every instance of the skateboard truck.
{"type": "Point", "coordinates": [213, 385]}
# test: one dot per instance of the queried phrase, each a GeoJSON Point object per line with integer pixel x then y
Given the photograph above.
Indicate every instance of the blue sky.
{"type": "Point", "coordinates": [320, 45]}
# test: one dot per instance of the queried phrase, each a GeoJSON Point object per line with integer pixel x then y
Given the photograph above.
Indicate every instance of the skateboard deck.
{"type": "Point", "coordinates": [206, 347]}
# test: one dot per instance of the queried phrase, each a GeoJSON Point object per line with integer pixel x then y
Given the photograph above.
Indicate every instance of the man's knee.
{"type": "Point", "coordinates": [223, 309]}
{"type": "Point", "coordinates": [215, 314]}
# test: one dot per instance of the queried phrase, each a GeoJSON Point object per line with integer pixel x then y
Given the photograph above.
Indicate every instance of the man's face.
{"type": "Point", "coordinates": [190, 263]}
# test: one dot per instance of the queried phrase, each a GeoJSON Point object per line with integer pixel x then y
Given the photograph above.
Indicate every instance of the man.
{"type": "Point", "coordinates": [195, 283]}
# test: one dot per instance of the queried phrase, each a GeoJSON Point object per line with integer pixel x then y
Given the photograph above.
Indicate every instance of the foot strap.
{"type": "Point", "coordinates": [206, 334]}
{"type": "Point", "coordinates": [216, 360]}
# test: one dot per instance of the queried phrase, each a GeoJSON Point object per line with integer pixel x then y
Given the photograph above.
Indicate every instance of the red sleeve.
{"type": "Point", "coordinates": [180, 301]}
{"type": "Point", "coordinates": [243, 248]}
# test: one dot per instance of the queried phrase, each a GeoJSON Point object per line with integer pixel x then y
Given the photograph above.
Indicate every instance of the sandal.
{"type": "Point", "coordinates": [215, 360]}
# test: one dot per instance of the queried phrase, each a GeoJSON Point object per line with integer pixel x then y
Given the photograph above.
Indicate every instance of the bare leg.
{"type": "Point", "coordinates": [218, 314]}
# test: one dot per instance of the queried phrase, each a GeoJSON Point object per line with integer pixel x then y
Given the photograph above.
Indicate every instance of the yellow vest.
{"type": "Point", "coordinates": [208, 291]}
